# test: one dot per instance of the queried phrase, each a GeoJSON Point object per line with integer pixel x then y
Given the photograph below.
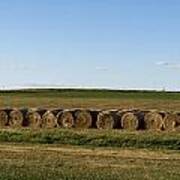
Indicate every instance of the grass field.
{"type": "Point", "coordinates": [34, 162]}
{"type": "Point", "coordinates": [91, 98]}
{"type": "Point", "coordinates": [89, 154]}
{"type": "Point", "coordinates": [94, 138]}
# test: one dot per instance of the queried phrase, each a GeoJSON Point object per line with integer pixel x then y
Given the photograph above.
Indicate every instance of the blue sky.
{"type": "Point", "coordinates": [90, 43]}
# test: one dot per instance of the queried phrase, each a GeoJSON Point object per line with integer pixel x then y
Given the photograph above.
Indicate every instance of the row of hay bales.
{"type": "Point", "coordinates": [83, 118]}
{"type": "Point", "coordinates": [139, 120]}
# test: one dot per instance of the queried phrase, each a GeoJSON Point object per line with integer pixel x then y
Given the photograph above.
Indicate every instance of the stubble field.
{"type": "Point", "coordinates": [89, 154]}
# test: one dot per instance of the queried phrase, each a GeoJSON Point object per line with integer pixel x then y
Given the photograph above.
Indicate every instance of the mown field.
{"type": "Point", "coordinates": [34, 162]}
{"type": "Point", "coordinates": [69, 98]}
{"type": "Point", "coordinates": [89, 154]}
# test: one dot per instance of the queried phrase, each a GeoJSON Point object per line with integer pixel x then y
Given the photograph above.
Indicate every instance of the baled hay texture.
{"type": "Point", "coordinates": [3, 118]}
{"type": "Point", "coordinates": [56, 111]}
{"type": "Point", "coordinates": [178, 123]}
{"type": "Point", "coordinates": [170, 121]}
{"type": "Point", "coordinates": [33, 119]}
{"type": "Point", "coordinates": [105, 120]}
{"type": "Point", "coordinates": [129, 121]}
{"type": "Point", "coordinates": [153, 121]}
{"type": "Point", "coordinates": [16, 119]}
{"type": "Point", "coordinates": [40, 111]}
{"type": "Point", "coordinates": [178, 119]}
{"type": "Point", "coordinates": [65, 119]}
{"type": "Point", "coordinates": [49, 120]}
{"type": "Point", "coordinates": [83, 119]}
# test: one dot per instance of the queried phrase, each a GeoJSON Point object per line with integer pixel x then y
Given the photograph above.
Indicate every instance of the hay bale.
{"type": "Point", "coordinates": [65, 119]}
{"type": "Point", "coordinates": [170, 121]}
{"type": "Point", "coordinates": [33, 119]}
{"type": "Point", "coordinates": [129, 121]}
{"type": "Point", "coordinates": [3, 118]}
{"type": "Point", "coordinates": [83, 119]}
{"type": "Point", "coordinates": [49, 120]}
{"type": "Point", "coordinates": [105, 120]}
{"type": "Point", "coordinates": [178, 119]}
{"type": "Point", "coordinates": [153, 121]}
{"type": "Point", "coordinates": [16, 118]}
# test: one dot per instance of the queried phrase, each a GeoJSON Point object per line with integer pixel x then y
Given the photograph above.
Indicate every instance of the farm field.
{"type": "Point", "coordinates": [90, 153]}
{"type": "Point", "coordinates": [69, 98]}
{"type": "Point", "coordinates": [27, 161]}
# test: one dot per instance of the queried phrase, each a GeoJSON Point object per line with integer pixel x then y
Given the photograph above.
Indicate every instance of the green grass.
{"type": "Point", "coordinates": [79, 93]}
{"type": "Point", "coordinates": [95, 138]}
{"type": "Point", "coordinates": [34, 162]}
{"type": "Point", "coordinates": [163, 171]}
{"type": "Point", "coordinates": [69, 98]}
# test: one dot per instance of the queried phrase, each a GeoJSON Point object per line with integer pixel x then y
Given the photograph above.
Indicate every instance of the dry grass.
{"type": "Point", "coordinates": [48, 102]}
{"type": "Point", "coordinates": [90, 99]}
{"type": "Point", "coordinates": [71, 162]}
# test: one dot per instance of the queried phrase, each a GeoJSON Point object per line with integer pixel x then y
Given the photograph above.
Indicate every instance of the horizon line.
{"type": "Point", "coordinates": [46, 87]}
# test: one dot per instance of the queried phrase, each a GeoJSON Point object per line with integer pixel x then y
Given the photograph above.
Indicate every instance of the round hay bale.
{"type": "Point", "coordinates": [105, 120]}
{"type": "Point", "coordinates": [3, 118]}
{"type": "Point", "coordinates": [129, 121]}
{"type": "Point", "coordinates": [33, 119]}
{"type": "Point", "coordinates": [153, 121]}
{"type": "Point", "coordinates": [178, 119]}
{"type": "Point", "coordinates": [170, 121]}
{"type": "Point", "coordinates": [65, 119]}
{"type": "Point", "coordinates": [83, 119]}
{"type": "Point", "coordinates": [16, 119]}
{"type": "Point", "coordinates": [49, 120]}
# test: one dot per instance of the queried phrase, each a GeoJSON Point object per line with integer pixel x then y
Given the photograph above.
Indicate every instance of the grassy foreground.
{"type": "Point", "coordinates": [36, 162]}
{"type": "Point", "coordinates": [94, 138]}
{"type": "Point", "coordinates": [88, 154]}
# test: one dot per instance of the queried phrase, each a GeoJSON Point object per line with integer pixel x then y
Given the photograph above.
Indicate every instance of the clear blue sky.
{"type": "Point", "coordinates": [98, 43]}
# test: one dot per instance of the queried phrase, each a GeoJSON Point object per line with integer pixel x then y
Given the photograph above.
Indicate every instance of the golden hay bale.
{"type": "Point", "coordinates": [49, 120]}
{"type": "Point", "coordinates": [83, 119]}
{"type": "Point", "coordinates": [16, 118]}
{"type": "Point", "coordinates": [153, 121]}
{"type": "Point", "coordinates": [129, 121]}
{"type": "Point", "coordinates": [105, 120]}
{"type": "Point", "coordinates": [170, 121]}
{"type": "Point", "coordinates": [65, 119]}
{"type": "Point", "coordinates": [3, 118]}
{"type": "Point", "coordinates": [33, 119]}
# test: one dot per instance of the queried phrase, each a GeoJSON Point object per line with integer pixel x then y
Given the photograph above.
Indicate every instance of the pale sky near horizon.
{"type": "Point", "coordinates": [90, 43]}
